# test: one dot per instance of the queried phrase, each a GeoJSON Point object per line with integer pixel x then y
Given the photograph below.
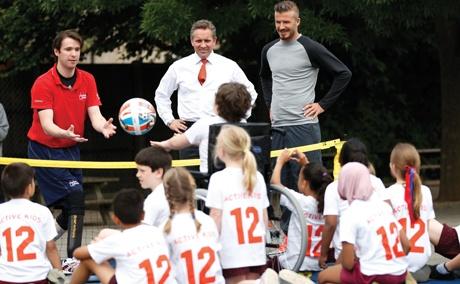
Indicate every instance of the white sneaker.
{"type": "Point", "coordinates": [269, 277]}
{"type": "Point", "coordinates": [69, 265]}
{"type": "Point", "coordinates": [290, 277]}
{"type": "Point", "coordinates": [56, 276]}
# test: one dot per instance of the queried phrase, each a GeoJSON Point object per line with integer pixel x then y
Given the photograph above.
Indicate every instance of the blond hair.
{"type": "Point", "coordinates": [180, 191]}
{"type": "Point", "coordinates": [235, 142]}
{"type": "Point", "coordinates": [403, 157]}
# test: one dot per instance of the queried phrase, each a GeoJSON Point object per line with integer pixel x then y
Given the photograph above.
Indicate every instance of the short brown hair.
{"type": "Point", "coordinates": [233, 101]}
{"type": "Point", "coordinates": [16, 177]}
{"type": "Point", "coordinates": [155, 158]}
{"type": "Point", "coordinates": [128, 206]}
{"type": "Point", "coordinates": [285, 6]}
{"type": "Point", "coordinates": [73, 34]}
{"type": "Point", "coordinates": [203, 25]}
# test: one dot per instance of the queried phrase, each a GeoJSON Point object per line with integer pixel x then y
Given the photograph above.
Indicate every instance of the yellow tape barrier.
{"type": "Point", "coordinates": [308, 148]}
{"type": "Point", "coordinates": [88, 164]}
{"type": "Point", "coordinates": [176, 163]}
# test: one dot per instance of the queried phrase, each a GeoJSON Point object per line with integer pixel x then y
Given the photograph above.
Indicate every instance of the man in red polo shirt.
{"type": "Point", "coordinates": [61, 99]}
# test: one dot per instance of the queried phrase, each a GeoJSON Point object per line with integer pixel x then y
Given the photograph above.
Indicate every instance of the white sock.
{"type": "Point", "coordinates": [442, 269]}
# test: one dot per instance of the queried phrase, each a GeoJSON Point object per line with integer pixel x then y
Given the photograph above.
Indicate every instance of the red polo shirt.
{"type": "Point", "coordinates": [69, 105]}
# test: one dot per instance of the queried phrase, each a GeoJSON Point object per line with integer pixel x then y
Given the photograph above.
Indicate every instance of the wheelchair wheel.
{"type": "Point", "coordinates": [275, 235]}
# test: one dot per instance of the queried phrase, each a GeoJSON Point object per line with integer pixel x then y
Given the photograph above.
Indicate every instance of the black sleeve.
{"type": "Point", "coordinates": [265, 74]}
{"type": "Point", "coordinates": [323, 59]}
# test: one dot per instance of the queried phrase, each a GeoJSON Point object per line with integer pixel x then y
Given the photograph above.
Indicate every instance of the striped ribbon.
{"type": "Point", "coordinates": [409, 191]}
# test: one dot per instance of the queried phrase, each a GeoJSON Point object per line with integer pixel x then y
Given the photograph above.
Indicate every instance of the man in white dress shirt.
{"type": "Point", "coordinates": [196, 79]}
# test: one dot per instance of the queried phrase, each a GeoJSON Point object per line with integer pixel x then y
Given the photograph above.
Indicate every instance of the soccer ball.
{"type": "Point", "coordinates": [137, 116]}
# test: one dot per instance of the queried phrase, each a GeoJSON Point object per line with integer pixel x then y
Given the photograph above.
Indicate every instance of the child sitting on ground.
{"type": "Point", "coordinates": [354, 150]}
{"type": "Point", "coordinates": [192, 235]}
{"type": "Point", "coordinates": [28, 251]}
{"type": "Point", "coordinates": [140, 251]}
{"type": "Point", "coordinates": [151, 164]}
{"type": "Point", "coordinates": [413, 206]}
{"type": "Point", "coordinates": [374, 244]}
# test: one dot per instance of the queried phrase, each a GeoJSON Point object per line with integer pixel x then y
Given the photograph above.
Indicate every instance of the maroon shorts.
{"type": "Point", "coordinates": [355, 276]}
{"type": "Point", "coordinates": [448, 245]}
{"type": "Point", "coordinates": [233, 272]}
{"type": "Point", "coordinates": [113, 280]}
{"type": "Point", "coordinates": [44, 281]}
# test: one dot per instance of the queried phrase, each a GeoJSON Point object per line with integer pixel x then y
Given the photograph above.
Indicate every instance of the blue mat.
{"type": "Point", "coordinates": [314, 278]}
{"type": "Point", "coordinates": [443, 281]}
{"type": "Point", "coordinates": [93, 279]}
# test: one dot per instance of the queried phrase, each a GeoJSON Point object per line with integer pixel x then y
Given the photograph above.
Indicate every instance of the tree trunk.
{"type": "Point", "coordinates": [449, 54]}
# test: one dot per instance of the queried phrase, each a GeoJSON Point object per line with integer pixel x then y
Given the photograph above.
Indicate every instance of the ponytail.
{"type": "Point", "coordinates": [319, 179]}
{"type": "Point", "coordinates": [168, 225]}
{"type": "Point", "coordinates": [413, 192]}
{"type": "Point", "coordinates": [325, 181]}
{"type": "Point", "coordinates": [405, 161]}
{"type": "Point", "coordinates": [249, 170]}
{"type": "Point", "coordinates": [179, 190]}
{"type": "Point", "coordinates": [192, 212]}
{"type": "Point", "coordinates": [235, 142]}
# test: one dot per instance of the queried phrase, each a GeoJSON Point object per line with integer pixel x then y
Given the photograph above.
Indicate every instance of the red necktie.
{"type": "Point", "coordinates": [202, 73]}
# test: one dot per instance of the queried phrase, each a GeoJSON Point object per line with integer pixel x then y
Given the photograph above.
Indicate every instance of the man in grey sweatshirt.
{"type": "Point", "coordinates": [289, 71]}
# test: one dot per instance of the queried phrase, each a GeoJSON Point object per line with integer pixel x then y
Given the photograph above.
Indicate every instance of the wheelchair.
{"type": "Point", "coordinates": [260, 134]}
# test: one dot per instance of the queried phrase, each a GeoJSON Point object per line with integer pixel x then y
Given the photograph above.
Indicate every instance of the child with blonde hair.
{"type": "Point", "coordinates": [412, 206]}
{"type": "Point", "coordinates": [191, 235]}
{"type": "Point", "coordinates": [373, 242]}
{"type": "Point", "coordinates": [237, 198]}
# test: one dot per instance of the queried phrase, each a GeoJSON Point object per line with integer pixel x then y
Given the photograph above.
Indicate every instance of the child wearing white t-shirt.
{"type": "Point", "coordinates": [312, 182]}
{"type": "Point", "coordinates": [237, 198]}
{"type": "Point", "coordinates": [353, 150]}
{"type": "Point", "coordinates": [192, 236]}
{"type": "Point", "coordinates": [231, 104]}
{"type": "Point", "coordinates": [374, 244]}
{"type": "Point", "coordinates": [28, 251]}
{"type": "Point", "coordinates": [140, 251]}
{"type": "Point", "coordinates": [151, 164]}
{"type": "Point", "coordinates": [412, 206]}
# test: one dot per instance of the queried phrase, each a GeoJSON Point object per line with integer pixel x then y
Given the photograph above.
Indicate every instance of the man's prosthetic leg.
{"type": "Point", "coordinates": [75, 233]}
{"type": "Point", "coordinates": [71, 219]}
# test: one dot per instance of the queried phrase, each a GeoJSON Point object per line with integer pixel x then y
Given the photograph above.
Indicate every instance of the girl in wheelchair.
{"type": "Point", "coordinates": [312, 182]}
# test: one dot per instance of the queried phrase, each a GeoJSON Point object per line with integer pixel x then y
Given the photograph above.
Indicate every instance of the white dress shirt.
{"type": "Point", "coordinates": [196, 100]}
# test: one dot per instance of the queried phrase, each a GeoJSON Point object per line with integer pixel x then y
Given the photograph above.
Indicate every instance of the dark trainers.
{"type": "Point", "coordinates": [438, 276]}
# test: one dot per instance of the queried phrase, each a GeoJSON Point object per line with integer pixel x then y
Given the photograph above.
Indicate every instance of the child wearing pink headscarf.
{"type": "Point", "coordinates": [374, 244]}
